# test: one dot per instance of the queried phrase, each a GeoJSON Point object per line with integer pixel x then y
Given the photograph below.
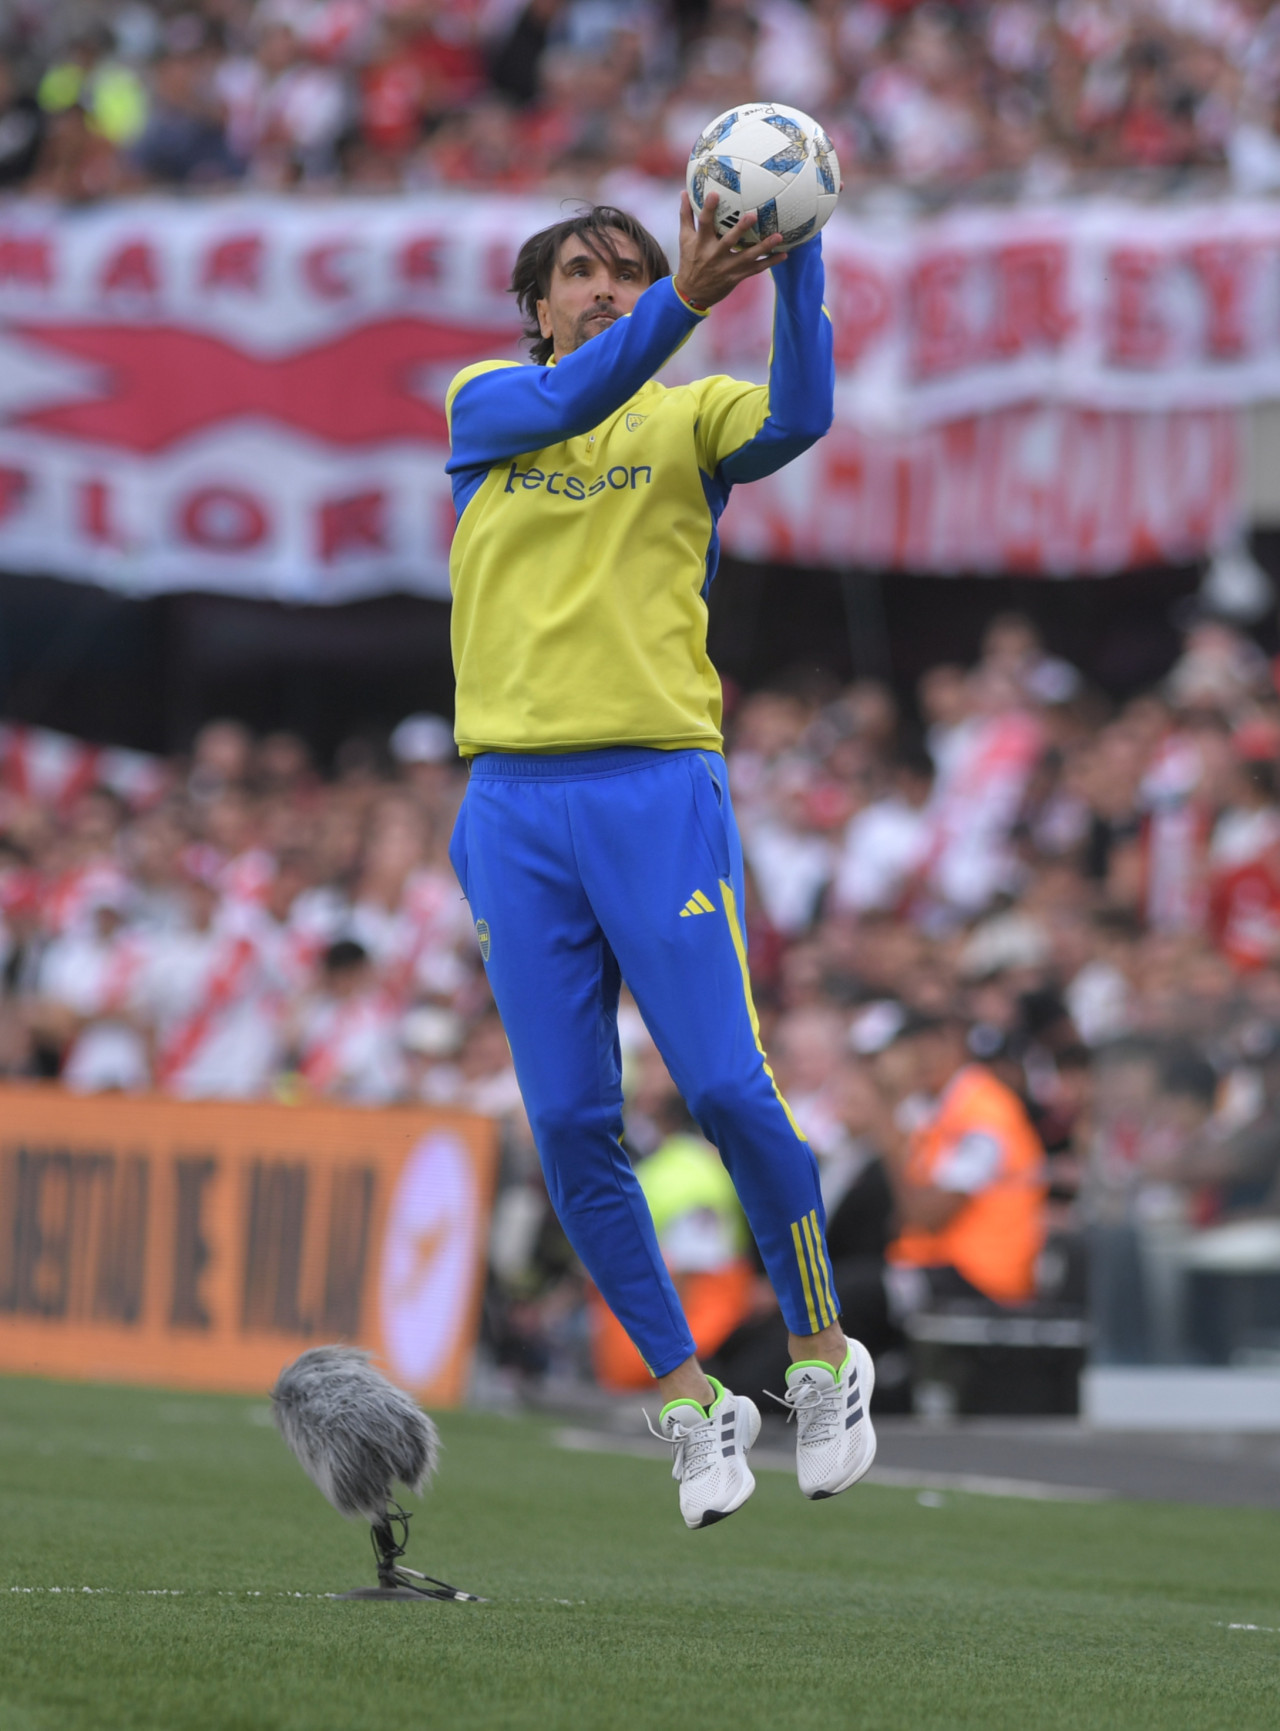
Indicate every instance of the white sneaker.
{"type": "Point", "coordinates": [835, 1441]}
{"type": "Point", "coordinates": [710, 1447]}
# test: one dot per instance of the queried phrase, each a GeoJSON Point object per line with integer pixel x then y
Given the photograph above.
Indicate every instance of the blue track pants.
{"type": "Point", "coordinates": [586, 869]}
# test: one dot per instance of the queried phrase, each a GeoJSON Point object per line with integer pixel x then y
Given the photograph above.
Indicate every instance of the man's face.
{"type": "Point", "coordinates": [588, 291]}
{"type": "Point", "coordinates": [348, 982]}
{"type": "Point", "coordinates": [934, 1057]}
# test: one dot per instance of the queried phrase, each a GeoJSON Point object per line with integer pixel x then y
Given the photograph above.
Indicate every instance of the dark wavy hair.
{"type": "Point", "coordinates": [536, 260]}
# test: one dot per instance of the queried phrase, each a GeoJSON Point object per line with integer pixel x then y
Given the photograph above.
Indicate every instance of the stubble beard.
{"type": "Point", "coordinates": [587, 325]}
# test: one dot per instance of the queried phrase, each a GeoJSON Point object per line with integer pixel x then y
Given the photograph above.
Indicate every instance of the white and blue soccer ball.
{"type": "Point", "coordinates": [771, 159]}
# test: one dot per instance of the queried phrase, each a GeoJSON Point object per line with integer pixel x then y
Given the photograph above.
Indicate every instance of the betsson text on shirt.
{"type": "Point", "coordinates": [620, 478]}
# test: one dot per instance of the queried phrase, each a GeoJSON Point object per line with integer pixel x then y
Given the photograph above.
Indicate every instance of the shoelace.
{"type": "Point", "coordinates": [817, 1413]}
{"type": "Point", "coordinates": [692, 1450]}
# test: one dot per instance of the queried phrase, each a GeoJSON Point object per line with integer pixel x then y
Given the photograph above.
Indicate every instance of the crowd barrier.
{"type": "Point", "coordinates": [204, 1245]}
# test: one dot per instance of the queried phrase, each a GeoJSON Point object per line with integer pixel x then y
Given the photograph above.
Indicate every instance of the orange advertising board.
{"type": "Point", "coordinates": [204, 1245]}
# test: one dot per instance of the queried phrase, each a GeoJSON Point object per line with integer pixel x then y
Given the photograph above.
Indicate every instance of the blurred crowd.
{"type": "Point", "coordinates": [987, 98]}
{"type": "Point", "coordinates": [1014, 906]}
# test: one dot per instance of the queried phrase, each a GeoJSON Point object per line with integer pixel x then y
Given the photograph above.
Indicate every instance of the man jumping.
{"type": "Point", "coordinates": [597, 842]}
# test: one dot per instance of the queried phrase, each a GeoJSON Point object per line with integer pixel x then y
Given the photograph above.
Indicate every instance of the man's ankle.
{"type": "Point", "coordinates": [686, 1382]}
{"type": "Point", "coordinates": [828, 1346]}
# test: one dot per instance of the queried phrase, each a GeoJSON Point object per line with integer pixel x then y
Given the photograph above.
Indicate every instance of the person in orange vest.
{"type": "Point", "coordinates": [969, 1177]}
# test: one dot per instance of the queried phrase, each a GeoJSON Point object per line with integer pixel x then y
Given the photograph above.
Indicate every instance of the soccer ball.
{"type": "Point", "coordinates": [770, 159]}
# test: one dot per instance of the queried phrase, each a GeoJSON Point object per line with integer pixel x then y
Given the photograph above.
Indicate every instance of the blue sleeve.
{"type": "Point", "coordinates": [511, 410]}
{"type": "Point", "coordinates": [802, 375]}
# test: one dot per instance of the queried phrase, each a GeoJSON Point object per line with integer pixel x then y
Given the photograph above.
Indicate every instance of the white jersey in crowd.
{"type": "Point", "coordinates": [496, 1096]}
{"type": "Point", "coordinates": [1241, 836]}
{"type": "Point", "coordinates": [95, 975]}
{"type": "Point", "coordinates": [415, 946]}
{"type": "Point", "coordinates": [1177, 804]}
{"type": "Point", "coordinates": [215, 1002]}
{"type": "Point", "coordinates": [349, 1048]}
{"type": "Point", "coordinates": [982, 777]}
{"type": "Point", "coordinates": [791, 870]}
{"type": "Point", "coordinates": [72, 898]}
{"type": "Point", "coordinates": [884, 846]}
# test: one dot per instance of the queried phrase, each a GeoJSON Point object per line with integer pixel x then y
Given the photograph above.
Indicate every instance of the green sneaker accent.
{"type": "Point", "coordinates": [717, 1395]}
{"type": "Point", "coordinates": [821, 1364]}
{"type": "Point", "coordinates": [684, 1400]}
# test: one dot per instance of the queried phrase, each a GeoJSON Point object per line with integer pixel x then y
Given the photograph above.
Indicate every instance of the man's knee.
{"type": "Point", "coordinates": [579, 1149]}
{"type": "Point", "coordinates": [564, 1126]}
{"type": "Point", "coordinates": [723, 1098]}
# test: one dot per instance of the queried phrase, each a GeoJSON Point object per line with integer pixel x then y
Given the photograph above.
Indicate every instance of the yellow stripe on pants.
{"type": "Point", "coordinates": [817, 1275]}
{"type": "Point", "coordinates": [740, 949]}
{"type": "Point", "coordinates": [825, 1264]}
{"type": "Point", "coordinates": [804, 1277]}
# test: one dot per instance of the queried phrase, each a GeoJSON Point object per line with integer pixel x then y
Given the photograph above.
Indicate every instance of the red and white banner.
{"type": "Point", "coordinates": [54, 769]}
{"type": "Point", "coordinates": [1048, 489]}
{"type": "Point", "coordinates": [247, 395]}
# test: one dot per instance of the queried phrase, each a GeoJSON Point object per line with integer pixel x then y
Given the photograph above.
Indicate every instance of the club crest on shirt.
{"type": "Point", "coordinates": [635, 421]}
{"type": "Point", "coordinates": [482, 937]}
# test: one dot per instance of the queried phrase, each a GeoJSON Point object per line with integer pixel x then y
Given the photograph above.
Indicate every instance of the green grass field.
{"type": "Point", "coordinates": [870, 1611]}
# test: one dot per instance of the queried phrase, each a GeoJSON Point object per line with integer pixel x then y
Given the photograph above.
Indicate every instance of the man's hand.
{"type": "Point", "coordinates": [712, 265]}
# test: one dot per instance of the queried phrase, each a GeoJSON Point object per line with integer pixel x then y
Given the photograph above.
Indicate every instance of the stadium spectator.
{"type": "Point", "coordinates": [998, 99]}
{"type": "Point", "coordinates": [887, 843]}
{"type": "Point", "coordinates": [968, 1176]}
{"type": "Point", "coordinates": [208, 993]}
{"type": "Point", "coordinates": [184, 141]}
{"type": "Point", "coordinates": [22, 124]}
{"type": "Point", "coordinates": [347, 1036]}
{"type": "Point", "coordinates": [82, 1002]}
